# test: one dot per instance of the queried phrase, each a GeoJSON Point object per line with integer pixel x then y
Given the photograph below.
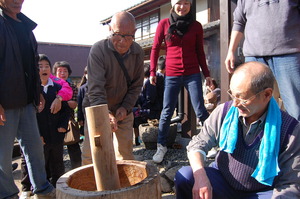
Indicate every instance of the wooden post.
{"type": "Point", "coordinates": [225, 29]}
{"type": "Point", "coordinates": [189, 120]}
{"type": "Point", "coordinates": [101, 141]}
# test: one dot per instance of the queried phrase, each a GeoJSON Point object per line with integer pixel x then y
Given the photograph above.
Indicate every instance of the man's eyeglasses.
{"type": "Point", "coordinates": [120, 36]}
{"type": "Point", "coordinates": [242, 101]}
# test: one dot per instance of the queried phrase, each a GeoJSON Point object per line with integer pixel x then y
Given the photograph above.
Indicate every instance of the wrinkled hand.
{"type": "Point", "coordinates": [2, 116]}
{"type": "Point", "coordinates": [55, 106]}
{"type": "Point", "coordinates": [43, 141]}
{"type": "Point", "coordinates": [153, 80]}
{"type": "Point", "coordinates": [61, 130]}
{"type": "Point", "coordinates": [81, 122]}
{"type": "Point", "coordinates": [202, 188]}
{"type": "Point", "coordinates": [41, 107]}
{"type": "Point", "coordinates": [229, 62]}
{"type": "Point", "coordinates": [72, 104]}
{"type": "Point", "coordinates": [121, 113]}
{"type": "Point", "coordinates": [42, 103]}
{"type": "Point", "coordinates": [209, 89]}
{"type": "Point", "coordinates": [113, 122]}
{"type": "Point", "coordinates": [208, 81]}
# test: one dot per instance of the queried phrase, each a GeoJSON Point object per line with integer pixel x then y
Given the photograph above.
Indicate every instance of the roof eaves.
{"type": "Point", "coordinates": [107, 20]}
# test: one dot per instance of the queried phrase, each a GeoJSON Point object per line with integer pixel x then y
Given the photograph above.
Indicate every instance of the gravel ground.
{"type": "Point", "coordinates": [172, 158]}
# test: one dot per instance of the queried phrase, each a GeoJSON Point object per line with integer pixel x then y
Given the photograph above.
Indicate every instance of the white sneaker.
{"type": "Point", "coordinates": [212, 153]}
{"type": "Point", "coordinates": [26, 195]}
{"type": "Point", "coordinates": [50, 195]}
{"type": "Point", "coordinates": [160, 153]}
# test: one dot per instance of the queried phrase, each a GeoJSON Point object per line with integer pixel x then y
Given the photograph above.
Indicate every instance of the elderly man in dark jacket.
{"type": "Point", "coordinates": [20, 95]}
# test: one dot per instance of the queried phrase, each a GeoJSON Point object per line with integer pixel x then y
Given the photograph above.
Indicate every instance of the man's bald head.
{"type": "Point", "coordinates": [123, 18]}
{"type": "Point", "coordinates": [257, 74]}
{"type": "Point", "coordinates": [122, 30]}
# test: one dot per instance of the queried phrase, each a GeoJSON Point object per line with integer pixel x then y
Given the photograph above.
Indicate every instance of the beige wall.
{"type": "Point", "coordinates": [165, 11]}
{"type": "Point", "coordinates": [201, 11]}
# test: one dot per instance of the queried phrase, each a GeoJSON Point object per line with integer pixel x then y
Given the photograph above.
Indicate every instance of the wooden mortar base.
{"type": "Point", "coordinates": [137, 179]}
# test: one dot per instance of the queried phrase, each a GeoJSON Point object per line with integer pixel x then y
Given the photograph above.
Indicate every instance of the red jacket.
{"type": "Point", "coordinates": [183, 55]}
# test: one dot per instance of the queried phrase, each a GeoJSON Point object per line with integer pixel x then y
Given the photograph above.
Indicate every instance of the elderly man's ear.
{"type": "Point", "coordinates": [268, 93]}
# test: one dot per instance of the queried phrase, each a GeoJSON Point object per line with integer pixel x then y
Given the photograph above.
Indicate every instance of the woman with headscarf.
{"type": "Point", "coordinates": [183, 39]}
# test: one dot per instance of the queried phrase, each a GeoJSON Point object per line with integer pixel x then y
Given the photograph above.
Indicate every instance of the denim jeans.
{"type": "Point", "coordinates": [286, 69]}
{"type": "Point", "coordinates": [22, 124]}
{"type": "Point", "coordinates": [184, 182]}
{"type": "Point", "coordinates": [173, 85]}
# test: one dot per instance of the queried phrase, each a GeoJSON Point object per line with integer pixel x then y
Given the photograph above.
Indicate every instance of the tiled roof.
{"type": "Point", "coordinates": [140, 8]}
{"type": "Point", "coordinates": [104, 21]}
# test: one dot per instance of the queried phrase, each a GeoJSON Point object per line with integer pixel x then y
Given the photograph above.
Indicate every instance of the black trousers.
{"type": "Point", "coordinates": [75, 155]}
{"type": "Point", "coordinates": [54, 162]}
{"type": "Point", "coordinates": [54, 165]}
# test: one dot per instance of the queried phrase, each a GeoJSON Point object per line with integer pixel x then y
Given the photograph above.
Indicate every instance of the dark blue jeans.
{"type": "Point", "coordinates": [173, 85]}
{"type": "Point", "coordinates": [22, 124]}
{"type": "Point", "coordinates": [184, 182]}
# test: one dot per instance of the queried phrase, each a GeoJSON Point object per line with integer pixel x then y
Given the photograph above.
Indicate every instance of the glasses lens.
{"type": "Point", "coordinates": [230, 94]}
{"type": "Point", "coordinates": [120, 36]}
{"type": "Point", "coordinates": [237, 100]}
{"type": "Point", "coordinates": [129, 37]}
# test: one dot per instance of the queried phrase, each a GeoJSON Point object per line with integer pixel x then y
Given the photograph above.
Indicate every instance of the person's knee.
{"type": "Point", "coordinates": [184, 177]}
{"type": "Point", "coordinates": [179, 179]}
{"type": "Point", "coordinates": [184, 182]}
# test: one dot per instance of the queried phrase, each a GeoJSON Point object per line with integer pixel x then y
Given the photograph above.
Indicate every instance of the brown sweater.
{"type": "Point", "coordinates": [107, 82]}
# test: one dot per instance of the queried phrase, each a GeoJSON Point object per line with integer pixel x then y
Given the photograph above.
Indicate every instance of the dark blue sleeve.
{"type": "Point", "coordinates": [80, 96]}
{"type": "Point", "coordinates": [149, 95]}
{"type": "Point", "coordinates": [64, 115]}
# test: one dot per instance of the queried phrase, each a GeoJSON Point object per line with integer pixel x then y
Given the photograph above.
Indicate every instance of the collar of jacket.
{"type": "Point", "coordinates": [31, 24]}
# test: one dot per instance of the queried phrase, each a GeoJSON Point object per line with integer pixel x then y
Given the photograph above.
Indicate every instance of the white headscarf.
{"type": "Point", "coordinates": [173, 2]}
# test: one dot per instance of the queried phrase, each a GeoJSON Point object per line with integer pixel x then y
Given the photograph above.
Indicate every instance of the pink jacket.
{"type": "Point", "coordinates": [66, 91]}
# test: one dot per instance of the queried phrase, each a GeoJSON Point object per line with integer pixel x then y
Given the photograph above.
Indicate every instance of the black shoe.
{"type": "Point", "coordinates": [14, 166]}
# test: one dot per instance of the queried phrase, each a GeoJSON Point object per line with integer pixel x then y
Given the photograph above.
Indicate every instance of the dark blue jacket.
{"type": "Point", "coordinates": [80, 96]}
{"type": "Point", "coordinates": [151, 97]}
{"type": "Point", "coordinates": [49, 123]}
